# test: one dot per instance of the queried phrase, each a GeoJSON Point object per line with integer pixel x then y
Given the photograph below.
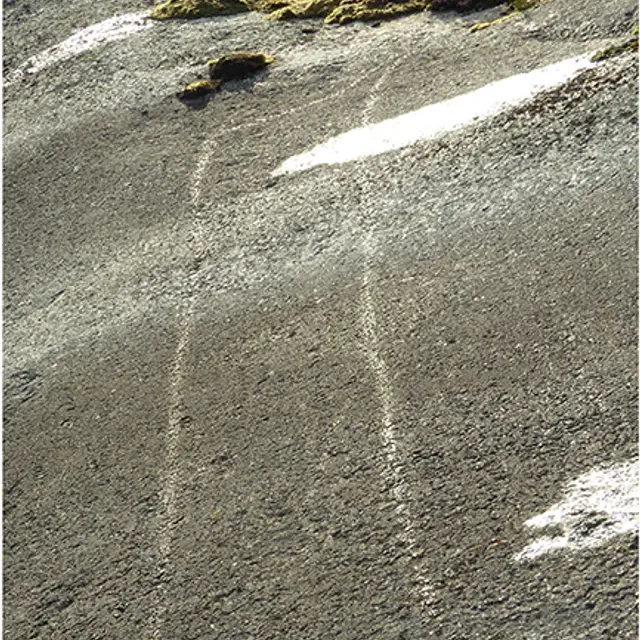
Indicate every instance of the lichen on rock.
{"type": "Point", "coordinates": [332, 11]}
{"type": "Point", "coordinates": [477, 5]}
{"type": "Point", "coordinates": [344, 11]}
{"type": "Point", "coordinates": [615, 50]}
{"type": "Point", "coordinates": [231, 66]}
{"type": "Point", "coordinates": [513, 8]}
{"type": "Point", "coordinates": [373, 10]}
{"type": "Point", "coordinates": [479, 26]}
{"type": "Point", "coordinates": [192, 9]}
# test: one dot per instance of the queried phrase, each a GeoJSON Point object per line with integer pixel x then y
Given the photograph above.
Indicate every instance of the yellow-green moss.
{"type": "Point", "coordinates": [238, 65]}
{"type": "Point", "coordinates": [522, 5]}
{"type": "Point", "coordinates": [615, 50]}
{"type": "Point", "coordinates": [332, 11]}
{"type": "Point", "coordinates": [373, 10]}
{"type": "Point", "coordinates": [198, 89]}
{"type": "Point", "coordinates": [191, 9]}
{"type": "Point", "coordinates": [287, 9]}
{"type": "Point", "coordinates": [479, 26]}
{"type": "Point", "coordinates": [341, 11]}
{"type": "Point", "coordinates": [513, 9]}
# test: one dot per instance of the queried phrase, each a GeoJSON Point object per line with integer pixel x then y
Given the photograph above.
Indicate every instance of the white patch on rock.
{"type": "Point", "coordinates": [437, 119]}
{"type": "Point", "coordinates": [598, 506]}
{"type": "Point", "coordinates": [116, 28]}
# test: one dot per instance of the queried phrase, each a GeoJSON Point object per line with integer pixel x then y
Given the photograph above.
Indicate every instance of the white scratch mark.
{"type": "Point", "coordinates": [177, 412]}
{"type": "Point", "coordinates": [177, 378]}
{"type": "Point", "coordinates": [116, 28]}
{"type": "Point", "coordinates": [436, 119]}
{"type": "Point", "coordinates": [394, 469]}
{"type": "Point", "coordinates": [599, 506]}
{"type": "Point", "coordinates": [394, 464]}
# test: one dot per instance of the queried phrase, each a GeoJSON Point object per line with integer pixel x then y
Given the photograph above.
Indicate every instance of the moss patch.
{"type": "Point", "coordinates": [522, 5]}
{"type": "Point", "coordinates": [238, 65]}
{"type": "Point", "coordinates": [198, 89]}
{"type": "Point", "coordinates": [287, 9]}
{"type": "Point", "coordinates": [232, 66]}
{"type": "Point", "coordinates": [479, 26]}
{"type": "Point", "coordinates": [513, 9]}
{"type": "Point", "coordinates": [192, 9]}
{"type": "Point", "coordinates": [615, 50]}
{"type": "Point", "coordinates": [344, 11]}
{"type": "Point", "coordinates": [464, 5]}
{"type": "Point", "coordinates": [476, 5]}
{"type": "Point", "coordinates": [332, 11]}
{"type": "Point", "coordinates": [373, 10]}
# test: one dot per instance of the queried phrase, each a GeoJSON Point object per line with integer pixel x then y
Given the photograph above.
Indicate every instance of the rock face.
{"type": "Point", "coordinates": [238, 65]}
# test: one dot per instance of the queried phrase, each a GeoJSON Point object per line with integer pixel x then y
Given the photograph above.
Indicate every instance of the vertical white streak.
{"type": "Point", "coordinates": [394, 463]}
{"type": "Point", "coordinates": [394, 467]}
{"type": "Point", "coordinates": [185, 321]}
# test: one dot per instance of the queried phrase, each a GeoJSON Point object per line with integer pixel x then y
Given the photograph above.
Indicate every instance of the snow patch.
{"type": "Point", "coordinates": [598, 506]}
{"type": "Point", "coordinates": [437, 119]}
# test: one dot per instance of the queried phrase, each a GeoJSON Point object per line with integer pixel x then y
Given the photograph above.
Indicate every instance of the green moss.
{"type": "Point", "coordinates": [479, 26]}
{"type": "Point", "coordinates": [615, 50]}
{"type": "Point", "coordinates": [238, 65]}
{"type": "Point", "coordinates": [192, 9]}
{"type": "Point", "coordinates": [522, 5]}
{"type": "Point", "coordinates": [198, 89]}
{"type": "Point", "coordinates": [288, 9]}
{"type": "Point", "coordinates": [344, 11]}
{"type": "Point", "coordinates": [373, 10]}
{"type": "Point", "coordinates": [513, 9]}
{"type": "Point", "coordinates": [232, 66]}
{"type": "Point", "coordinates": [332, 11]}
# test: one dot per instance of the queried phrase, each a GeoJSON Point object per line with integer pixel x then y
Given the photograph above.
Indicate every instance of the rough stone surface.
{"type": "Point", "coordinates": [322, 405]}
